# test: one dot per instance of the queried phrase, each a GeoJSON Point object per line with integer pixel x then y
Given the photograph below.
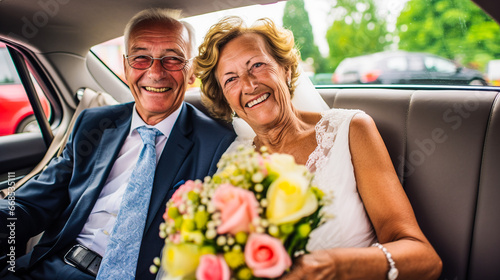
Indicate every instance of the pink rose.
{"type": "Point", "coordinates": [212, 267]}
{"type": "Point", "coordinates": [266, 256]}
{"type": "Point", "coordinates": [175, 238]}
{"type": "Point", "coordinates": [185, 188]}
{"type": "Point", "coordinates": [238, 208]}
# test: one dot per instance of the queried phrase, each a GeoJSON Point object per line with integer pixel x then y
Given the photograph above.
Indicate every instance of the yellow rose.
{"type": "Point", "coordinates": [281, 163]}
{"type": "Point", "coordinates": [181, 260]}
{"type": "Point", "coordinates": [290, 199]}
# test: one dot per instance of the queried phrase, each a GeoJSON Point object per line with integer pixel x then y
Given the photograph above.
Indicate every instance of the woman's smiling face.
{"type": "Point", "coordinates": [253, 83]}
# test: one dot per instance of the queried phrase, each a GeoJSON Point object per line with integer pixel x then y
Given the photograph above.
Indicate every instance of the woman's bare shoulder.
{"type": "Point", "coordinates": [362, 125]}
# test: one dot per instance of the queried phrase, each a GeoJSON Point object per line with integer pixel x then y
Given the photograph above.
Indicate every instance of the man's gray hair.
{"type": "Point", "coordinates": [168, 16]}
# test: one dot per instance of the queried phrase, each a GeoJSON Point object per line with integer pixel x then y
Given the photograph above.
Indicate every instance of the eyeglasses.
{"type": "Point", "coordinates": [169, 62]}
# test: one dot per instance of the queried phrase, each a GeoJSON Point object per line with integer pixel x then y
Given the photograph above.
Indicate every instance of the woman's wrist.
{"type": "Point", "coordinates": [393, 272]}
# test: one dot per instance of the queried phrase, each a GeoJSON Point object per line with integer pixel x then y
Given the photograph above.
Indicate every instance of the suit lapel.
{"type": "Point", "coordinates": [176, 150]}
{"type": "Point", "coordinates": [109, 146]}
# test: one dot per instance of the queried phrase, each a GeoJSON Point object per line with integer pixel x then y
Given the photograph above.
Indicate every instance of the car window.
{"type": "Point", "coordinates": [430, 64]}
{"type": "Point", "coordinates": [331, 35]}
{"type": "Point", "coordinates": [445, 66]}
{"type": "Point", "coordinates": [111, 53]}
{"type": "Point", "coordinates": [16, 113]}
{"type": "Point", "coordinates": [397, 64]}
{"type": "Point", "coordinates": [415, 63]}
{"type": "Point", "coordinates": [434, 64]}
{"type": "Point", "coordinates": [8, 74]}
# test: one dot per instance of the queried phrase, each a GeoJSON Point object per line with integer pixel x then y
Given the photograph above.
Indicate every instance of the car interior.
{"type": "Point", "coordinates": [444, 141]}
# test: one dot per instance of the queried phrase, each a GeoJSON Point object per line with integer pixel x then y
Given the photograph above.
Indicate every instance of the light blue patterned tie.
{"type": "Point", "coordinates": [120, 259]}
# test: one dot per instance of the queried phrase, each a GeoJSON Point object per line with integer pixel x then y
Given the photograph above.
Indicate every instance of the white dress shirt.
{"type": "Point", "coordinates": [95, 232]}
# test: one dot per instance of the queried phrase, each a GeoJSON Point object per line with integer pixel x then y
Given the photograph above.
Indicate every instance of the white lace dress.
{"type": "Point", "coordinates": [349, 225]}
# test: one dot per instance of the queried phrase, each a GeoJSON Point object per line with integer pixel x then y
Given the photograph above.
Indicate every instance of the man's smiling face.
{"type": "Point", "coordinates": [157, 91]}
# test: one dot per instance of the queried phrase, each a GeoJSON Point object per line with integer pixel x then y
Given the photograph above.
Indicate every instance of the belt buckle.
{"type": "Point", "coordinates": [77, 257]}
{"type": "Point", "coordinates": [70, 251]}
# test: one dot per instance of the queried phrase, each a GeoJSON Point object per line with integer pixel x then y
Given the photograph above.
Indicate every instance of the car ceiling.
{"type": "Point", "coordinates": [75, 25]}
{"type": "Point", "coordinates": [491, 7]}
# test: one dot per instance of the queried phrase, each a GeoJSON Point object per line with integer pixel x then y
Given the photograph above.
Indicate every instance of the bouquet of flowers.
{"type": "Point", "coordinates": [248, 221]}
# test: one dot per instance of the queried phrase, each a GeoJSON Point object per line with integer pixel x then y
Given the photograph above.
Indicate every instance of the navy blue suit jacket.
{"type": "Point", "coordinates": [59, 200]}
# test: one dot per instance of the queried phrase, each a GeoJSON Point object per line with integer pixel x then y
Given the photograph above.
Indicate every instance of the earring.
{"type": "Point", "coordinates": [289, 83]}
{"type": "Point", "coordinates": [233, 115]}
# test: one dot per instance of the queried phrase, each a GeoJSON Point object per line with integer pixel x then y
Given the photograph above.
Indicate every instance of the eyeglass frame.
{"type": "Point", "coordinates": [186, 61]}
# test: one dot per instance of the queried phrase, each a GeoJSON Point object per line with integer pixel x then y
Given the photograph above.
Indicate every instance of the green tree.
{"type": "Point", "coordinates": [296, 19]}
{"type": "Point", "coordinates": [431, 26]}
{"type": "Point", "coordinates": [356, 30]}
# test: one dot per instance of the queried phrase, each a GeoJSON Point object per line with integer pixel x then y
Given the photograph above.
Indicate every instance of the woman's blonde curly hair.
{"type": "Point", "coordinates": [280, 44]}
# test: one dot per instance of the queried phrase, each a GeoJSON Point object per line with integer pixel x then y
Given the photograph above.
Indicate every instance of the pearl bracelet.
{"type": "Point", "coordinates": [393, 271]}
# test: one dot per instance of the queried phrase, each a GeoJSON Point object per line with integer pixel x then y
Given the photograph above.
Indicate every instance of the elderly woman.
{"type": "Point", "coordinates": [251, 72]}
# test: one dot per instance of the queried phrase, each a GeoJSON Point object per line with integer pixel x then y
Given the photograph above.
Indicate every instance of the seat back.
{"type": "Point", "coordinates": [445, 148]}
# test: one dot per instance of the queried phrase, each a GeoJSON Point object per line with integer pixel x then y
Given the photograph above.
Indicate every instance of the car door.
{"type": "Point", "coordinates": [417, 72]}
{"type": "Point", "coordinates": [27, 116]}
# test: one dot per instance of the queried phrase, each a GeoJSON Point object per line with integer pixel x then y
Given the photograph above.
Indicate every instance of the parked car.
{"type": "Point", "coordinates": [443, 140]}
{"type": "Point", "coordinates": [16, 113]}
{"type": "Point", "coordinates": [401, 67]}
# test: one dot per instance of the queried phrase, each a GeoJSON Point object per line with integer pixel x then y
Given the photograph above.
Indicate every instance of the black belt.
{"type": "Point", "coordinates": [82, 258]}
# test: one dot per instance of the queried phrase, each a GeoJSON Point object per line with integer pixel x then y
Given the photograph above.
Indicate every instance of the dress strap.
{"type": "Point", "coordinates": [326, 133]}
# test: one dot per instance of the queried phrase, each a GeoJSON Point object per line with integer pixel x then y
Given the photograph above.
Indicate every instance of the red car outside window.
{"type": "Point", "coordinates": [16, 113]}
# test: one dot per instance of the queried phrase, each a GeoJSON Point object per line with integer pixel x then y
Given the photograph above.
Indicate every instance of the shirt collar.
{"type": "Point", "coordinates": [165, 126]}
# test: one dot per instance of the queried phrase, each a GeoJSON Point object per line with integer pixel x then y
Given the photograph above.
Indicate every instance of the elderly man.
{"type": "Point", "coordinates": [101, 205]}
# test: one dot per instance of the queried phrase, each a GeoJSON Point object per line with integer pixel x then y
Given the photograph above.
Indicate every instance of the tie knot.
{"type": "Point", "coordinates": [148, 135]}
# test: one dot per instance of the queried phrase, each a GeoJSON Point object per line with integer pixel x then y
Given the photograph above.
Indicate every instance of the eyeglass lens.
{"type": "Point", "coordinates": [143, 62]}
